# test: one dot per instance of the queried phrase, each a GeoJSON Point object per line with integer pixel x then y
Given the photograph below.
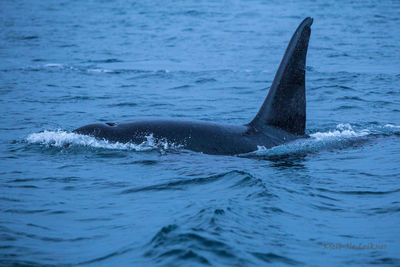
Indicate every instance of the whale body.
{"type": "Point", "coordinates": [281, 118]}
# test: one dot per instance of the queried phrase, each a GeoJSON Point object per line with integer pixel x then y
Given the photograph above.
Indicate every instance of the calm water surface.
{"type": "Point", "coordinates": [70, 199]}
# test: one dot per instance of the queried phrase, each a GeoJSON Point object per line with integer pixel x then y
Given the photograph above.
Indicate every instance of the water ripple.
{"type": "Point", "coordinates": [185, 183]}
{"type": "Point", "coordinates": [358, 192]}
{"type": "Point", "coordinates": [171, 244]}
{"type": "Point", "coordinates": [275, 258]}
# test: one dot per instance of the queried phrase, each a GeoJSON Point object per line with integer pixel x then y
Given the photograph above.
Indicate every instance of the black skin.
{"type": "Point", "coordinates": [209, 138]}
{"type": "Point", "coordinates": [282, 117]}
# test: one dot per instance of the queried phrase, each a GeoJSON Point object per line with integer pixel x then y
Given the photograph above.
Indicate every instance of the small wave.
{"type": "Point", "coordinates": [108, 60]}
{"type": "Point", "coordinates": [54, 65]}
{"type": "Point", "coordinates": [174, 244]}
{"type": "Point", "coordinates": [392, 126]}
{"type": "Point", "coordinates": [351, 98]}
{"type": "Point", "coordinates": [246, 179]}
{"type": "Point", "coordinates": [274, 258]}
{"type": "Point", "coordinates": [345, 107]}
{"type": "Point", "coordinates": [29, 37]}
{"type": "Point", "coordinates": [205, 80]}
{"type": "Point", "coordinates": [61, 138]}
{"type": "Point", "coordinates": [123, 104]}
{"type": "Point", "coordinates": [359, 192]}
{"type": "Point", "coordinates": [100, 70]}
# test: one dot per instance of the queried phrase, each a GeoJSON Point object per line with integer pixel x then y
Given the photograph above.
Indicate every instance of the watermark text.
{"type": "Point", "coordinates": [354, 246]}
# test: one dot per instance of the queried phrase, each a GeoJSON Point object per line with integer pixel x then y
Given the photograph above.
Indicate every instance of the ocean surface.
{"type": "Point", "coordinates": [67, 199]}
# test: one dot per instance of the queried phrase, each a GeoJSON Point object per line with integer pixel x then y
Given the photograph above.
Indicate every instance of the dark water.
{"type": "Point", "coordinates": [70, 199]}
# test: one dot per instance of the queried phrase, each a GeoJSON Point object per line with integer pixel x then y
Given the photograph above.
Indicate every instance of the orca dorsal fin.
{"type": "Point", "coordinates": [285, 105]}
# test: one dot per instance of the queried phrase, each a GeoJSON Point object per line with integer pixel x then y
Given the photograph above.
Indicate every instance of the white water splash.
{"type": "Point", "coordinates": [392, 126]}
{"type": "Point", "coordinates": [54, 65]}
{"type": "Point", "coordinates": [342, 131]}
{"type": "Point", "coordinates": [62, 139]}
{"type": "Point", "coordinates": [343, 136]}
{"type": "Point", "coordinates": [100, 70]}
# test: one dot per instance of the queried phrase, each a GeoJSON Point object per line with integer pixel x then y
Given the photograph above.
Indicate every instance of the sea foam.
{"type": "Point", "coordinates": [61, 138]}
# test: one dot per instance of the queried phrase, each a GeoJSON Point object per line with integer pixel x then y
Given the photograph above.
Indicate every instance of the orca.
{"type": "Point", "coordinates": [281, 118]}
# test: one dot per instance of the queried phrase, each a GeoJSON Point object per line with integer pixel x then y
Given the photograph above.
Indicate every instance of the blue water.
{"type": "Point", "coordinates": [332, 199]}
